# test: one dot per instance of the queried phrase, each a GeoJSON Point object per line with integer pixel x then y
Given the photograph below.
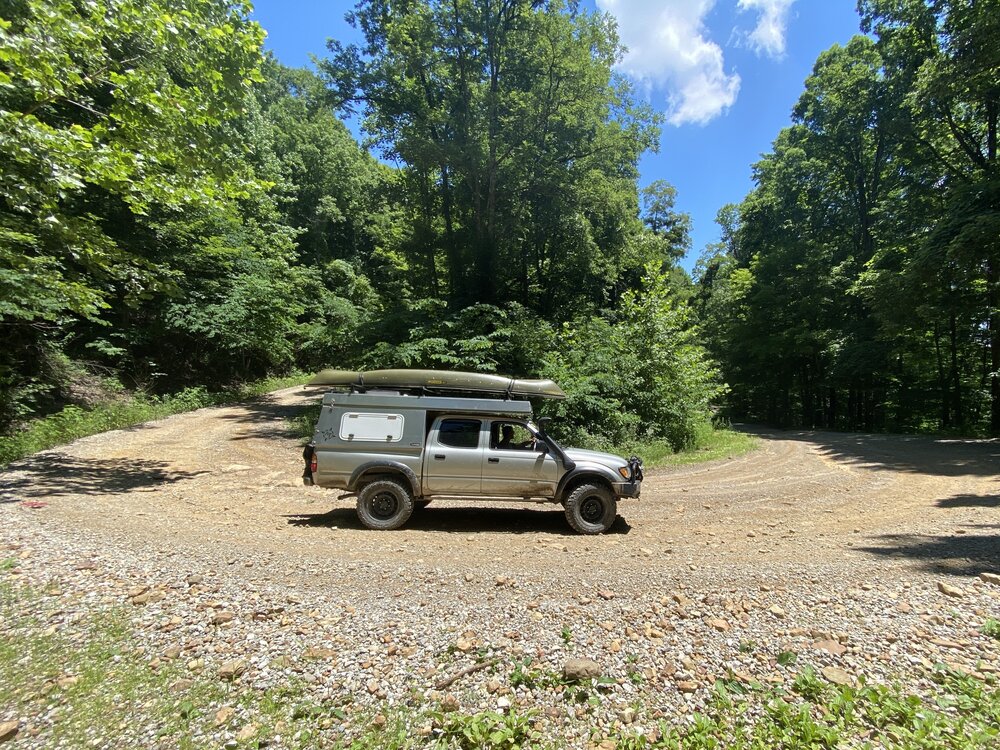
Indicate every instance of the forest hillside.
{"type": "Point", "coordinates": [178, 210]}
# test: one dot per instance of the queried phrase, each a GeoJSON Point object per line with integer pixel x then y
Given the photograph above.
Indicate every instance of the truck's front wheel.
{"type": "Point", "coordinates": [591, 509]}
{"type": "Point", "coordinates": [384, 504]}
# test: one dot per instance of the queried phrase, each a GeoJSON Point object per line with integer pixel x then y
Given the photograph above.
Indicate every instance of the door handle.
{"type": "Point", "coordinates": [438, 457]}
{"type": "Point", "coordinates": [493, 460]}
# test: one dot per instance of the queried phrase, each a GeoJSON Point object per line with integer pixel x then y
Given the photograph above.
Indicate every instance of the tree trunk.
{"type": "Point", "coordinates": [955, 376]}
{"type": "Point", "coordinates": [456, 289]}
{"type": "Point", "coordinates": [993, 302]}
{"type": "Point", "coordinates": [942, 380]}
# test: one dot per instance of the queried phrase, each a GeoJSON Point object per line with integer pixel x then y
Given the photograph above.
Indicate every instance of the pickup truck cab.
{"type": "Point", "coordinates": [395, 450]}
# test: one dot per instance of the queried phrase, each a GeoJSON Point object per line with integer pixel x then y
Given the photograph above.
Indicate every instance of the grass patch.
{"type": "Point", "coordinates": [304, 423]}
{"type": "Point", "coordinates": [74, 422]}
{"type": "Point", "coordinates": [710, 443]}
{"type": "Point", "coordinates": [85, 680]}
{"type": "Point", "coordinates": [84, 684]}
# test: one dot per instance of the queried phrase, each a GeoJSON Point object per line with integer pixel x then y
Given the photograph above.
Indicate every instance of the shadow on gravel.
{"type": "Point", "coordinates": [462, 520]}
{"type": "Point", "coordinates": [908, 453]}
{"type": "Point", "coordinates": [970, 501]}
{"type": "Point", "coordinates": [54, 474]}
{"type": "Point", "coordinates": [267, 420]}
{"type": "Point", "coordinates": [960, 554]}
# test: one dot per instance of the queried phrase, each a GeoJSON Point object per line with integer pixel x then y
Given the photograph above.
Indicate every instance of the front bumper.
{"type": "Point", "coordinates": [632, 488]}
{"type": "Point", "coordinates": [628, 489]}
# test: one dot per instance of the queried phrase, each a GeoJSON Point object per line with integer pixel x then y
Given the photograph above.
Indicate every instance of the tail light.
{"type": "Point", "coordinates": [313, 464]}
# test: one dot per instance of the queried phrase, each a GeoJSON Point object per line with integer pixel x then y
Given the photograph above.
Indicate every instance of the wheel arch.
{"type": "Point", "coordinates": [583, 475]}
{"type": "Point", "coordinates": [386, 470]}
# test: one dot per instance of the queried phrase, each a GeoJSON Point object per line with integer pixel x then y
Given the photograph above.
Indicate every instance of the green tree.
{"type": "Point", "coordinates": [643, 376]}
{"type": "Point", "coordinates": [945, 56]}
{"type": "Point", "coordinates": [659, 213]}
{"type": "Point", "coordinates": [108, 109]}
{"type": "Point", "coordinates": [510, 113]}
{"type": "Point", "coordinates": [804, 347]}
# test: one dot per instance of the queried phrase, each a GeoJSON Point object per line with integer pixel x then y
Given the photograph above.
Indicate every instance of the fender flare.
{"type": "Point", "coordinates": [385, 467]}
{"type": "Point", "coordinates": [580, 472]}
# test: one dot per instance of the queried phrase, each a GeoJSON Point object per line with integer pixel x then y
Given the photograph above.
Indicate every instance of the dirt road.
{"type": "Point", "coordinates": [217, 482]}
{"type": "Point", "coordinates": [857, 554]}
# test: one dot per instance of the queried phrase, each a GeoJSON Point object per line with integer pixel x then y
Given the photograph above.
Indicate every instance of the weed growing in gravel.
{"type": "Point", "coordinates": [73, 422]}
{"type": "Point", "coordinates": [787, 657]}
{"type": "Point", "coordinates": [487, 730]}
{"type": "Point", "coordinates": [809, 685]}
{"type": "Point", "coordinates": [567, 635]}
{"type": "Point", "coordinates": [526, 675]}
{"type": "Point", "coordinates": [991, 628]}
{"type": "Point", "coordinates": [80, 680]}
{"type": "Point", "coordinates": [965, 713]}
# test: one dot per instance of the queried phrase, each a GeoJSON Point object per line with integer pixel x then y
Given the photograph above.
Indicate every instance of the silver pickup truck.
{"type": "Point", "coordinates": [397, 449]}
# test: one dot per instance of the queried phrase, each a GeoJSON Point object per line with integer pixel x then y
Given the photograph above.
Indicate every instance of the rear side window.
{"type": "Point", "coordinates": [459, 433]}
{"type": "Point", "coordinates": [383, 428]}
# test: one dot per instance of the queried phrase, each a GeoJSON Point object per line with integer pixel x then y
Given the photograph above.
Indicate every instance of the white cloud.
{"type": "Point", "coordinates": [668, 49]}
{"type": "Point", "coordinates": [768, 37]}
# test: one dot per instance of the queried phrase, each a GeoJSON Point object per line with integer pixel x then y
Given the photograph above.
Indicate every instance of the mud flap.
{"type": "Point", "coordinates": [307, 456]}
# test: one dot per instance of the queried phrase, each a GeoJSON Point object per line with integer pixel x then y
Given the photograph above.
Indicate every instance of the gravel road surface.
{"type": "Point", "coordinates": [859, 553]}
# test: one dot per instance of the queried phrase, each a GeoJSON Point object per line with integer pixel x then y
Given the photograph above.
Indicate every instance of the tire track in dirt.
{"type": "Point", "coordinates": [216, 481]}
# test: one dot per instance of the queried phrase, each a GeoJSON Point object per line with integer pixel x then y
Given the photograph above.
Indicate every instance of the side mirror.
{"type": "Point", "coordinates": [542, 448]}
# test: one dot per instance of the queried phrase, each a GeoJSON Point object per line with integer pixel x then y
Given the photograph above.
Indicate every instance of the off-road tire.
{"type": "Point", "coordinates": [384, 504]}
{"type": "Point", "coordinates": [591, 509]}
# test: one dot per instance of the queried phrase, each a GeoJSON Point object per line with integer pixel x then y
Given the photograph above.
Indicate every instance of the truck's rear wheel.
{"type": "Point", "coordinates": [591, 509]}
{"type": "Point", "coordinates": [384, 504]}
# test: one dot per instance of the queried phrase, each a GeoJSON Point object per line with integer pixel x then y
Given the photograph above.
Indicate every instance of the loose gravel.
{"type": "Point", "coordinates": [859, 555]}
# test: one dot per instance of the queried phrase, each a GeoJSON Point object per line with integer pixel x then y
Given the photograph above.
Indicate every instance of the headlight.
{"type": "Point", "coordinates": [625, 472]}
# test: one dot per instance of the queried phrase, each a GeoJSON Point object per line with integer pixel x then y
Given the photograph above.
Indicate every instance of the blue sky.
{"type": "Point", "coordinates": [725, 73]}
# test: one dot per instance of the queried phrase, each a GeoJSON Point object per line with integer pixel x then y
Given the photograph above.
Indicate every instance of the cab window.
{"type": "Point", "coordinates": [459, 433]}
{"type": "Point", "coordinates": [510, 436]}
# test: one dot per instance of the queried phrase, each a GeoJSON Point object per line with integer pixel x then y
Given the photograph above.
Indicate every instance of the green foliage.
{"type": "Point", "coordinates": [567, 635]}
{"type": "Point", "coordinates": [962, 714]}
{"type": "Point", "coordinates": [113, 115]}
{"type": "Point", "coordinates": [991, 628]}
{"type": "Point", "coordinates": [489, 730]}
{"type": "Point", "coordinates": [178, 211]}
{"type": "Point", "coordinates": [520, 144]}
{"type": "Point", "coordinates": [640, 378]}
{"type": "Point", "coordinates": [118, 103]}
{"type": "Point", "coordinates": [858, 286]}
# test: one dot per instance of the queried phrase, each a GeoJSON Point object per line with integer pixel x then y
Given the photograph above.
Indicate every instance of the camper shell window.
{"type": "Point", "coordinates": [383, 428]}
